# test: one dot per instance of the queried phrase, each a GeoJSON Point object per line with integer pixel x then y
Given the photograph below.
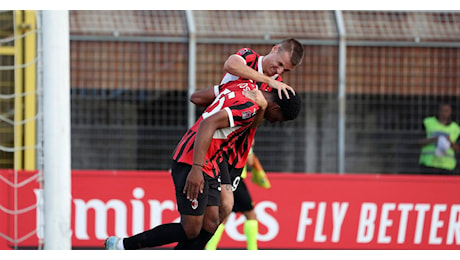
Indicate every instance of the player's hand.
{"type": "Point", "coordinates": [282, 87]}
{"type": "Point", "coordinates": [256, 96]}
{"type": "Point", "coordinates": [194, 183]}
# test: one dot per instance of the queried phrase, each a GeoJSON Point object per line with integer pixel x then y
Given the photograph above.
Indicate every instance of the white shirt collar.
{"type": "Point", "coordinates": [260, 68]}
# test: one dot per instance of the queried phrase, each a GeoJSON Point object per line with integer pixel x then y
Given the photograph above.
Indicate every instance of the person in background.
{"type": "Point", "coordinates": [440, 144]}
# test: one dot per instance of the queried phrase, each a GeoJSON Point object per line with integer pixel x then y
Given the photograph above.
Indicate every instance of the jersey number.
{"type": "Point", "coordinates": [220, 100]}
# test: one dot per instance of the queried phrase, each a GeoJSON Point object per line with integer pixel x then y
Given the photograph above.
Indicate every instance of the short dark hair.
{"type": "Point", "coordinates": [295, 48]}
{"type": "Point", "coordinates": [290, 107]}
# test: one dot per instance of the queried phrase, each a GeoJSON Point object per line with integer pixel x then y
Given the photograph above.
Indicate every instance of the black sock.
{"type": "Point", "coordinates": [184, 245]}
{"type": "Point", "coordinates": [197, 243]}
{"type": "Point", "coordinates": [157, 236]}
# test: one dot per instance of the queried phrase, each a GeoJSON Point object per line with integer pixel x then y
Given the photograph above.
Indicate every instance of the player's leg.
{"type": "Point", "coordinates": [226, 191]}
{"type": "Point", "coordinates": [244, 204]}
{"type": "Point", "coordinates": [210, 219]}
{"type": "Point", "coordinates": [224, 211]}
{"type": "Point", "coordinates": [226, 201]}
{"type": "Point", "coordinates": [163, 234]}
{"type": "Point", "coordinates": [259, 176]}
{"type": "Point", "coordinates": [226, 205]}
{"type": "Point", "coordinates": [208, 230]}
{"type": "Point", "coordinates": [160, 235]}
{"type": "Point", "coordinates": [192, 214]}
{"type": "Point", "coordinates": [251, 229]}
{"type": "Point", "coordinates": [210, 223]}
{"type": "Point", "coordinates": [215, 239]}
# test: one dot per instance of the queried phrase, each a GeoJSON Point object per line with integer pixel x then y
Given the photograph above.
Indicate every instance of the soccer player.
{"type": "Point", "coordinates": [266, 72]}
{"type": "Point", "coordinates": [195, 168]}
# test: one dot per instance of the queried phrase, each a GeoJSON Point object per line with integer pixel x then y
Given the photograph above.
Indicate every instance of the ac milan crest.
{"type": "Point", "coordinates": [194, 204]}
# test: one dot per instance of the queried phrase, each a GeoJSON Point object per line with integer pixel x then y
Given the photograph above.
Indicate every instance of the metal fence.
{"type": "Point", "coordinates": [131, 72]}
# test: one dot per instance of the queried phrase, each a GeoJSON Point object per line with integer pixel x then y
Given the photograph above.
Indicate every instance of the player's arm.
{"type": "Point", "coordinates": [203, 97]}
{"type": "Point", "coordinates": [195, 182]}
{"type": "Point", "coordinates": [236, 65]}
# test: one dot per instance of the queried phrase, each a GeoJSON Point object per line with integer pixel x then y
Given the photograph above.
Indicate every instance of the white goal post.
{"type": "Point", "coordinates": [56, 127]}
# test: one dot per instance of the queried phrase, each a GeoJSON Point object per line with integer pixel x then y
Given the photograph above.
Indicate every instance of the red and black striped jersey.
{"type": "Point", "coordinates": [241, 112]}
{"type": "Point", "coordinates": [238, 158]}
{"type": "Point", "coordinates": [254, 61]}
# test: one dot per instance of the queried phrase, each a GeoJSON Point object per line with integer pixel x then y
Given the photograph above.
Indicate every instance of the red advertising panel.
{"type": "Point", "coordinates": [300, 211]}
{"type": "Point", "coordinates": [19, 191]}
{"type": "Point", "coordinates": [358, 212]}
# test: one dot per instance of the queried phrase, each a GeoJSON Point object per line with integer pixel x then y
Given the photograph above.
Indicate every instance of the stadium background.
{"type": "Point", "coordinates": [129, 78]}
{"type": "Point", "coordinates": [131, 70]}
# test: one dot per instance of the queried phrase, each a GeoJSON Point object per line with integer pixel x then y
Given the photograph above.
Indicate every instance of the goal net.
{"type": "Point", "coordinates": [20, 145]}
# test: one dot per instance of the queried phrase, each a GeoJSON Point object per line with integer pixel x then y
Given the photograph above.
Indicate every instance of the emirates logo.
{"type": "Point", "coordinates": [194, 204]}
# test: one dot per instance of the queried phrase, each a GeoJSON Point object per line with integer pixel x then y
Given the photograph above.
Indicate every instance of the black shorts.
{"type": "Point", "coordinates": [224, 173]}
{"type": "Point", "coordinates": [209, 197]}
{"type": "Point", "coordinates": [229, 175]}
{"type": "Point", "coordinates": [242, 198]}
